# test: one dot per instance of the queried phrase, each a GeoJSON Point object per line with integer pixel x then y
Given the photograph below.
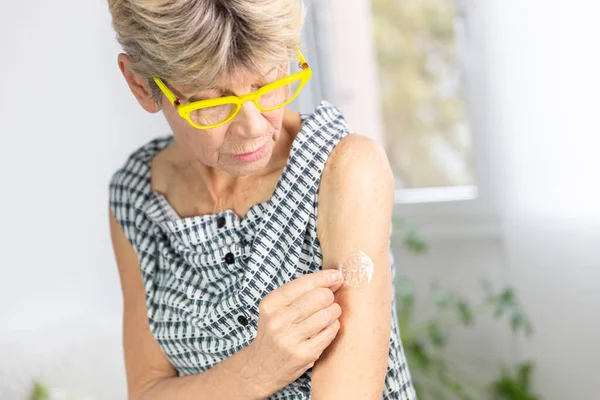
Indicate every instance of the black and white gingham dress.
{"type": "Point", "coordinates": [205, 276]}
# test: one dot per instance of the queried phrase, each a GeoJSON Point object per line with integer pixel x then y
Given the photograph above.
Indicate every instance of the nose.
{"type": "Point", "coordinates": [249, 122]}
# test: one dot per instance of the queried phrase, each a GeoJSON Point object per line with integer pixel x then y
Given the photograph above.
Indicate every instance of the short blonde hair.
{"type": "Point", "coordinates": [194, 43]}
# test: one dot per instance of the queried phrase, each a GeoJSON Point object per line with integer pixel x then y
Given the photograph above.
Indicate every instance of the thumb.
{"type": "Point", "coordinates": [335, 287]}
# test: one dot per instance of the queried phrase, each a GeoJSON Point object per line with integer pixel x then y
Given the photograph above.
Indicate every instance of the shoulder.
{"type": "Point", "coordinates": [146, 152]}
{"type": "Point", "coordinates": [355, 164]}
{"type": "Point", "coordinates": [356, 193]}
{"type": "Point", "coordinates": [134, 172]}
{"type": "Point", "coordinates": [130, 182]}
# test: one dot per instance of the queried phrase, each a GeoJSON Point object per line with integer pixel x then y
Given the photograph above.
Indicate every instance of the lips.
{"type": "Point", "coordinates": [248, 153]}
{"type": "Point", "coordinates": [252, 156]}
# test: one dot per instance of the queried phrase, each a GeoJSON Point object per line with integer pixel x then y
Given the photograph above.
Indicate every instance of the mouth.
{"type": "Point", "coordinates": [252, 156]}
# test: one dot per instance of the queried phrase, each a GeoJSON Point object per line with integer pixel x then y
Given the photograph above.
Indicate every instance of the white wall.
{"type": "Point", "coordinates": [67, 121]}
{"type": "Point", "coordinates": [546, 86]}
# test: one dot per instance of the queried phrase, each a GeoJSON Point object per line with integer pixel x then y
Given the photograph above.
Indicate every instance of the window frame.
{"type": "Point", "coordinates": [471, 206]}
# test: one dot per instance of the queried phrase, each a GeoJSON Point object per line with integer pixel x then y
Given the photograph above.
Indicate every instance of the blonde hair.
{"type": "Point", "coordinates": [194, 43]}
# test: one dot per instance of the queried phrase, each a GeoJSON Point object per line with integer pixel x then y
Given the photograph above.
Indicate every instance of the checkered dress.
{"type": "Point", "coordinates": [205, 276]}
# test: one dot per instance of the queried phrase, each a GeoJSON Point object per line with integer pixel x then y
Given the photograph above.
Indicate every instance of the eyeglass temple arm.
{"type": "Point", "coordinates": [303, 64]}
{"type": "Point", "coordinates": [170, 96]}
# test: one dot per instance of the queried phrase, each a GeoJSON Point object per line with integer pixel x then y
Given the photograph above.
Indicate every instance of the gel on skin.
{"type": "Point", "coordinates": [357, 269]}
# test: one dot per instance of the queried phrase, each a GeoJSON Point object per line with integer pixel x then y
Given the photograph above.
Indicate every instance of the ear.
{"type": "Point", "coordinates": [138, 85]}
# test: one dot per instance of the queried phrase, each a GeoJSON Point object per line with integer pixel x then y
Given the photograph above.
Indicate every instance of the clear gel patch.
{"type": "Point", "coordinates": [357, 269]}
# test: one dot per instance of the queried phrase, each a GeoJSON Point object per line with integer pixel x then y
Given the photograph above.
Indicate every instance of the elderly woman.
{"type": "Point", "coordinates": [228, 233]}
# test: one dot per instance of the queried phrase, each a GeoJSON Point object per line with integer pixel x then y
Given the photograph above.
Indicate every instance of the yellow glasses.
{"type": "Point", "coordinates": [207, 114]}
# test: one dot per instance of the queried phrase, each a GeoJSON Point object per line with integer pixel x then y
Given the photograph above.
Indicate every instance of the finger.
{"type": "Point", "coordinates": [318, 321]}
{"type": "Point", "coordinates": [309, 303]}
{"type": "Point", "coordinates": [289, 292]}
{"type": "Point", "coordinates": [321, 340]}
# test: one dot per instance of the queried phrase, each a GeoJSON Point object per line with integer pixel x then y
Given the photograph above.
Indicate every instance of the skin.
{"type": "Point", "coordinates": [198, 175]}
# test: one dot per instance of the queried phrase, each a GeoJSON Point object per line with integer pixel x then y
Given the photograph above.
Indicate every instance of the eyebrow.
{"type": "Point", "coordinates": [224, 90]}
{"type": "Point", "coordinates": [195, 98]}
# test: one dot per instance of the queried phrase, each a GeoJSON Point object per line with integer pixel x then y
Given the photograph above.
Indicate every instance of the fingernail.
{"type": "Point", "coordinates": [336, 275]}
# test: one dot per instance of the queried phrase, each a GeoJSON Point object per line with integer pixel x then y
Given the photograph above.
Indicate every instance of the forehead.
{"type": "Point", "coordinates": [242, 76]}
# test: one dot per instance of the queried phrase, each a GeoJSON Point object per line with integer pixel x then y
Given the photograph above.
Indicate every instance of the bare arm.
{"type": "Point", "coordinates": [150, 375]}
{"type": "Point", "coordinates": [355, 208]}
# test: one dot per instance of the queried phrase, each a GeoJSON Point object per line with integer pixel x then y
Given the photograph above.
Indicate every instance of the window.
{"type": "Point", "coordinates": [399, 79]}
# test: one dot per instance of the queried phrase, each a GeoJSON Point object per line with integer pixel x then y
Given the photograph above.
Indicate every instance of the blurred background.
{"type": "Point", "coordinates": [488, 111]}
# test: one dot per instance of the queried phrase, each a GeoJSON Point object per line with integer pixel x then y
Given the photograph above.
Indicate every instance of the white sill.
{"type": "Point", "coordinates": [446, 213]}
{"type": "Point", "coordinates": [435, 194]}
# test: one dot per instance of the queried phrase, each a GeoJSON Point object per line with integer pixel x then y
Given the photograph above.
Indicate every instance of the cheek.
{"type": "Point", "coordinates": [275, 118]}
{"type": "Point", "coordinates": [176, 123]}
{"type": "Point", "coordinates": [197, 144]}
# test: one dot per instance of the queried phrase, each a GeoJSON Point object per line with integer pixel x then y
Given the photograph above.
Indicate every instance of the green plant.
{"type": "Point", "coordinates": [514, 386]}
{"type": "Point", "coordinates": [40, 392]}
{"type": "Point", "coordinates": [434, 375]}
{"type": "Point", "coordinates": [411, 238]}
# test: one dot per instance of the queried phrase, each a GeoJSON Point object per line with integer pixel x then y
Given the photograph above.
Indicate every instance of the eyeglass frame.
{"type": "Point", "coordinates": [184, 110]}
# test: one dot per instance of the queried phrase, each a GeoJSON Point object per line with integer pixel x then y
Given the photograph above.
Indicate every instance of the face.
{"type": "Point", "coordinates": [242, 146]}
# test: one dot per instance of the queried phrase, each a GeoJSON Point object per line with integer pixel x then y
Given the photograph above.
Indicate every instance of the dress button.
{"type": "Point", "coordinates": [229, 258]}
{"type": "Point", "coordinates": [242, 320]}
{"type": "Point", "coordinates": [220, 222]}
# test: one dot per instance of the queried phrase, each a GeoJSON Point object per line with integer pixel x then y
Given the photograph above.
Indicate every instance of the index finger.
{"type": "Point", "coordinates": [290, 291]}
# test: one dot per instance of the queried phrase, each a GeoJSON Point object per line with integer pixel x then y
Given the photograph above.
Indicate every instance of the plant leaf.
{"type": "Point", "coordinates": [507, 297]}
{"type": "Point", "coordinates": [40, 392]}
{"type": "Point", "coordinates": [419, 355]}
{"type": "Point", "coordinates": [414, 242]}
{"type": "Point", "coordinates": [524, 374]}
{"type": "Point", "coordinates": [436, 334]}
{"type": "Point", "coordinates": [509, 387]}
{"type": "Point", "coordinates": [454, 386]}
{"type": "Point", "coordinates": [465, 312]}
{"type": "Point", "coordinates": [442, 299]}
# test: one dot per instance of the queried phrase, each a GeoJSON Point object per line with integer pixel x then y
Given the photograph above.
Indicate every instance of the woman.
{"type": "Point", "coordinates": [226, 258]}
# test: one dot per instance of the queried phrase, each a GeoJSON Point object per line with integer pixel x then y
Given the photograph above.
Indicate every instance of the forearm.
{"type": "Point", "coordinates": [354, 366]}
{"type": "Point", "coordinates": [233, 378]}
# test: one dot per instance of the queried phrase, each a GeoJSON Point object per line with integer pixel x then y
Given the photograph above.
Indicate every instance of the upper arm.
{"type": "Point", "coordinates": [145, 362]}
{"type": "Point", "coordinates": [355, 210]}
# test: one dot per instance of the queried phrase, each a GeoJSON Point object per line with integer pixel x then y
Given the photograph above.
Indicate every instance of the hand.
{"type": "Point", "coordinates": [296, 324]}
